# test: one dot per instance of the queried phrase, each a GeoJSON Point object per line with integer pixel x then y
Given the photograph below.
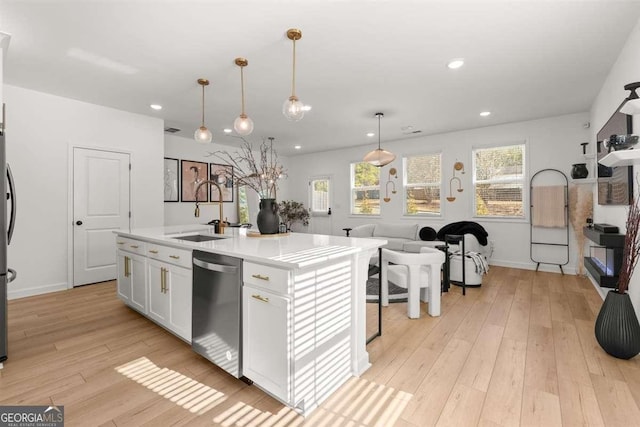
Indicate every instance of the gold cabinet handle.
{"type": "Point", "coordinates": [127, 273]}
{"type": "Point", "coordinates": [261, 277]}
{"type": "Point", "coordinates": [119, 243]}
{"type": "Point", "coordinates": [162, 284]}
{"type": "Point", "coordinates": [174, 256]}
{"type": "Point", "coordinates": [164, 275]}
{"type": "Point", "coordinates": [135, 246]}
{"type": "Point", "coordinates": [153, 252]}
{"type": "Point", "coordinates": [260, 298]}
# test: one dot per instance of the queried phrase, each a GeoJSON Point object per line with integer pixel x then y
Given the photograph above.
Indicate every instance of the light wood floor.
{"type": "Point", "coordinates": [518, 351]}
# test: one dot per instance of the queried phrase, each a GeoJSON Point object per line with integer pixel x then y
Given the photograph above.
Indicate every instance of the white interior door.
{"type": "Point", "coordinates": [320, 200]}
{"type": "Point", "coordinates": [100, 205]}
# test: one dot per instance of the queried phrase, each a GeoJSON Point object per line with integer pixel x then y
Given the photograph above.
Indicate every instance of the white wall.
{"type": "Point", "coordinates": [552, 143]}
{"type": "Point", "coordinates": [625, 70]}
{"type": "Point", "coordinates": [40, 130]}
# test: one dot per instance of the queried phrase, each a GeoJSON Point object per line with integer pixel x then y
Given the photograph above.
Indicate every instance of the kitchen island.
{"type": "Point", "coordinates": [303, 301]}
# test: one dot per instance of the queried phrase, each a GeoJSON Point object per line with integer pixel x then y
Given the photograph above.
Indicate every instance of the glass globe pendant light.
{"type": "Point", "coordinates": [243, 125]}
{"type": "Point", "coordinates": [379, 157]}
{"type": "Point", "coordinates": [203, 134]}
{"type": "Point", "coordinates": [292, 108]}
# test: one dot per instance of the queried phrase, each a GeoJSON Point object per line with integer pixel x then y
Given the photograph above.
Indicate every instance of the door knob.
{"type": "Point", "coordinates": [78, 222]}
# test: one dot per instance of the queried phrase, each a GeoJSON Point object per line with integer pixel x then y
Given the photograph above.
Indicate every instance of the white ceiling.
{"type": "Point", "coordinates": [523, 60]}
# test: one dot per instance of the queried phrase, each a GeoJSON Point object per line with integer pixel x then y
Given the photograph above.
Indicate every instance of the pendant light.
{"type": "Point", "coordinates": [243, 125]}
{"type": "Point", "coordinates": [632, 102]}
{"type": "Point", "coordinates": [379, 157]}
{"type": "Point", "coordinates": [203, 134]}
{"type": "Point", "coordinates": [292, 108]}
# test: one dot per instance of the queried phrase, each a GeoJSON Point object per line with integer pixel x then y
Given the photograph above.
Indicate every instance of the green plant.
{"type": "Point", "coordinates": [291, 212]}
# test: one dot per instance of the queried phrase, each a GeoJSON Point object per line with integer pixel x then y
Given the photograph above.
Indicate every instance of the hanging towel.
{"type": "Point", "coordinates": [548, 206]}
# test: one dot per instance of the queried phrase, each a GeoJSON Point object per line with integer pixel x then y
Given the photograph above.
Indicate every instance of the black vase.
{"type": "Point", "coordinates": [579, 171]}
{"type": "Point", "coordinates": [268, 220]}
{"type": "Point", "coordinates": [617, 329]}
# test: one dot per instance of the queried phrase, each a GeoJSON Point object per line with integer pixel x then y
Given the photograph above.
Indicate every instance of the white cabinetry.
{"type": "Point", "coordinates": [296, 330]}
{"type": "Point", "coordinates": [132, 282]}
{"type": "Point", "coordinates": [266, 346]}
{"type": "Point", "coordinates": [170, 297]}
{"type": "Point", "coordinates": [157, 281]}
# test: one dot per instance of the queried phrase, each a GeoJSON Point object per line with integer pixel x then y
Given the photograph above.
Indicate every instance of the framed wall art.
{"type": "Point", "coordinates": [223, 175]}
{"type": "Point", "coordinates": [194, 173]}
{"type": "Point", "coordinates": [171, 180]}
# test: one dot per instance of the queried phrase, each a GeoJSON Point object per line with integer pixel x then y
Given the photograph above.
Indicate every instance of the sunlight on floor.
{"type": "Point", "coordinates": [358, 402]}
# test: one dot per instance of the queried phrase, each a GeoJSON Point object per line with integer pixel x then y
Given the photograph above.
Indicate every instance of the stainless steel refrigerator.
{"type": "Point", "coordinates": [7, 221]}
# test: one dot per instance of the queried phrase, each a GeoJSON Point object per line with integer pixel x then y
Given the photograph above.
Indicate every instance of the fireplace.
{"type": "Point", "coordinates": [605, 257]}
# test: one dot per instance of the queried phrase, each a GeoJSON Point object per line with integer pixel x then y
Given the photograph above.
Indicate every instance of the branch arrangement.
{"type": "Point", "coordinates": [580, 208]}
{"type": "Point", "coordinates": [631, 251]}
{"type": "Point", "coordinates": [261, 174]}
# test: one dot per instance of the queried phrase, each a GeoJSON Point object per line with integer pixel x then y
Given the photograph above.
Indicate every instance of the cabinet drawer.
{"type": "Point", "coordinates": [271, 278]}
{"type": "Point", "coordinates": [130, 245]}
{"type": "Point", "coordinates": [181, 257]}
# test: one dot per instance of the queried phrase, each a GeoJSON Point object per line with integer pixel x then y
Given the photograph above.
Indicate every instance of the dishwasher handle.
{"type": "Point", "coordinates": [215, 267]}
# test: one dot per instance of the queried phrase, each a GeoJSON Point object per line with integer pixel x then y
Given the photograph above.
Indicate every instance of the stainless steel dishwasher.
{"type": "Point", "coordinates": [217, 305]}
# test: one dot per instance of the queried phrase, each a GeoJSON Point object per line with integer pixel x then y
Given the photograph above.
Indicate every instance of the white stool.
{"type": "Point", "coordinates": [413, 271]}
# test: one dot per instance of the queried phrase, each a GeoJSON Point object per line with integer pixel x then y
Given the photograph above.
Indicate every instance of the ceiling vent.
{"type": "Point", "coordinates": [411, 132]}
{"type": "Point", "coordinates": [172, 130]}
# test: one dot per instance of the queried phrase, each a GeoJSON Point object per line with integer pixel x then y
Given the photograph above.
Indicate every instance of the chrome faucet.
{"type": "Point", "coordinates": [219, 202]}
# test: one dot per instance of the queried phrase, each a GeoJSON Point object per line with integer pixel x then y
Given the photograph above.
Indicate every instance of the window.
{"type": "Point", "coordinates": [422, 182]}
{"type": "Point", "coordinates": [243, 205]}
{"type": "Point", "coordinates": [365, 189]}
{"type": "Point", "coordinates": [320, 195]}
{"type": "Point", "coordinates": [498, 180]}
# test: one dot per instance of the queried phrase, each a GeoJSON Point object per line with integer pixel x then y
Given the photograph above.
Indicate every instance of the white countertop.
{"type": "Point", "coordinates": [293, 250]}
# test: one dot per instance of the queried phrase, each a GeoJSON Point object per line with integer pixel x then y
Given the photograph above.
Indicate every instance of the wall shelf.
{"type": "Point", "coordinates": [621, 158]}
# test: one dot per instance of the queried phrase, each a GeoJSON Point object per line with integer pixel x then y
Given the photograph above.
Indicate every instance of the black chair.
{"type": "Point", "coordinates": [456, 239]}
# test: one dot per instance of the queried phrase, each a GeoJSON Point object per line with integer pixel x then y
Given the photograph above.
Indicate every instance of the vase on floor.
{"type": "Point", "coordinates": [617, 328]}
{"type": "Point", "coordinates": [268, 219]}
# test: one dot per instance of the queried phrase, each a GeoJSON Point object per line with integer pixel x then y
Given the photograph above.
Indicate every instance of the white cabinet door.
{"type": "Point", "coordinates": [179, 284]}
{"type": "Point", "coordinates": [158, 296]}
{"type": "Point", "coordinates": [266, 346]}
{"type": "Point", "coordinates": [138, 272]}
{"type": "Point", "coordinates": [124, 276]}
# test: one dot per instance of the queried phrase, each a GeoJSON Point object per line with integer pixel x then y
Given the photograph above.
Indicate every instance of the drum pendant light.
{"type": "Point", "coordinates": [379, 157]}
{"type": "Point", "coordinates": [243, 125]}
{"type": "Point", "coordinates": [203, 134]}
{"type": "Point", "coordinates": [292, 108]}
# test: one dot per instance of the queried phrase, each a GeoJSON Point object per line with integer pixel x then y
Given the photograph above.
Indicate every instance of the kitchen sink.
{"type": "Point", "coordinates": [199, 238]}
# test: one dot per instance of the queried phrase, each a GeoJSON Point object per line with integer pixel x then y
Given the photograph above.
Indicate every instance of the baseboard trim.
{"type": "Point", "coordinates": [550, 268]}
{"type": "Point", "coordinates": [39, 290]}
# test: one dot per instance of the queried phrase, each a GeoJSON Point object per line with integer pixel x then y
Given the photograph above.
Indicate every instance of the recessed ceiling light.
{"type": "Point", "coordinates": [370, 134]}
{"type": "Point", "coordinates": [156, 106]}
{"type": "Point", "coordinates": [485, 113]}
{"type": "Point", "coordinates": [455, 63]}
{"type": "Point", "coordinates": [227, 130]}
{"type": "Point", "coordinates": [297, 147]}
{"type": "Point", "coordinates": [306, 107]}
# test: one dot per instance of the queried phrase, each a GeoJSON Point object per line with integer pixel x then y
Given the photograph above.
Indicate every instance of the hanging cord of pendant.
{"type": "Point", "coordinates": [242, 88]}
{"type": "Point", "coordinates": [202, 105]}
{"type": "Point", "coordinates": [379, 117]}
{"type": "Point", "coordinates": [293, 80]}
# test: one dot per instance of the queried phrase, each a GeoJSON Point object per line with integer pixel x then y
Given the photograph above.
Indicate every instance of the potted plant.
{"type": "Point", "coordinates": [292, 212]}
{"type": "Point", "coordinates": [617, 329]}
